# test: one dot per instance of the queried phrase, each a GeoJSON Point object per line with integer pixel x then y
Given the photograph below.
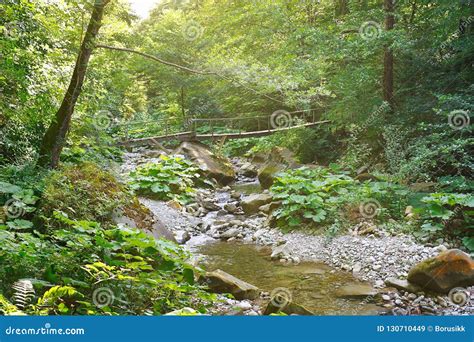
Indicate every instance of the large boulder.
{"type": "Point", "coordinates": [214, 166]}
{"type": "Point", "coordinates": [449, 269]}
{"type": "Point", "coordinates": [222, 282]}
{"type": "Point", "coordinates": [251, 204]}
{"type": "Point", "coordinates": [136, 215]}
{"type": "Point", "coordinates": [248, 170]}
{"type": "Point", "coordinates": [278, 160]}
{"type": "Point", "coordinates": [268, 172]}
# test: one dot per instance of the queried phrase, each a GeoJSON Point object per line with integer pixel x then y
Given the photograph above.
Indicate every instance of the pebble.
{"type": "Point", "coordinates": [244, 306]}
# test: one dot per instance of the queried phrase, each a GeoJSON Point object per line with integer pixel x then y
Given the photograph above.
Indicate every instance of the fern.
{"type": "Point", "coordinates": [24, 293]}
{"type": "Point", "coordinates": [8, 309]}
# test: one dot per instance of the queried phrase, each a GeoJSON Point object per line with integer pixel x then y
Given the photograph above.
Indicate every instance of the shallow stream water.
{"type": "Point", "coordinates": [313, 285]}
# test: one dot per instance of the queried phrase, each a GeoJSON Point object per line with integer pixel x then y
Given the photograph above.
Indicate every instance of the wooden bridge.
{"type": "Point", "coordinates": [190, 130]}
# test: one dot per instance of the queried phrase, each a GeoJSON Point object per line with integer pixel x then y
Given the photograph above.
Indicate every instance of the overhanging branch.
{"type": "Point", "coordinates": [184, 68]}
{"type": "Point", "coordinates": [159, 60]}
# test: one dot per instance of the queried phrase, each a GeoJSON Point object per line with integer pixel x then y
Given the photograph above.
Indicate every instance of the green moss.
{"type": "Point", "coordinates": [83, 192]}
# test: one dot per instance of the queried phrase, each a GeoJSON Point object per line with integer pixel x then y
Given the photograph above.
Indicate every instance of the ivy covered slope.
{"type": "Point", "coordinates": [62, 254]}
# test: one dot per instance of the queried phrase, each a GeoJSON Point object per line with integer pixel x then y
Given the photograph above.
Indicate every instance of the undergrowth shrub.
{"type": "Point", "coordinates": [322, 196]}
{"type": "Point", "coordinates": [90, 142]}
{"type": "Point", "coordinates": [172, 178]}
{"type": "Point", "coordinates": [449, 214]}
{"type": "Point", "coordinates": [136, 274]}
{"type": "Point", "coordinates": [20, 188]}
{"type": "Point", "coordinates": [308, 144]}
{"type": "Point", "coordinates": [441, 145]}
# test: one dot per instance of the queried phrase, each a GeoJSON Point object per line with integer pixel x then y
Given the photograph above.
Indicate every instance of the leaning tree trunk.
{"type": "Point", "coordinates": [388, 55]}
{"type": "Point", "coordinates": [55, 136]}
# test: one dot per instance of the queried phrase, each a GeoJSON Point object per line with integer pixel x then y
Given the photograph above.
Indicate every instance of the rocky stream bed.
{"type": "Point", "coordinates": [363, 272]}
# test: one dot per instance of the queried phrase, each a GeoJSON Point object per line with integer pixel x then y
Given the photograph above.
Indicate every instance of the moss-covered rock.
{"type": "Point", "coordinates": [83, 192]}
{"type": "Point", "coordinates": [266, 175]}
{"type": "Point", "coordinates": [279, 159]}
{"type": "Point", "coordinates": [214, 166]}
{"type": "Point", "coordinates": [451, 268]}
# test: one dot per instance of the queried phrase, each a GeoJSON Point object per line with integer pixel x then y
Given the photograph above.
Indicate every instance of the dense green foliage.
{"type": "Point", "coordinates": [224, 59]}
{"type": "Point", "coordinates": [172, 178]}
{"type": "Point", "coordinates": [68, 268]}
{"type": "Point", "coordinates": [332, 199]}
{"type": "Point", "coordinates": [324, 196]}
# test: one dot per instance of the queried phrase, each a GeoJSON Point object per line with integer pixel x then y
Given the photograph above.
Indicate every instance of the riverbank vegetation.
{"type": "Point", "coordinates": [393, 80]}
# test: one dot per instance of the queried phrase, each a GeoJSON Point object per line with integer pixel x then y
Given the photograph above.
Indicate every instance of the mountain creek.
{"type": "Point", "coordinates": [351, 274]}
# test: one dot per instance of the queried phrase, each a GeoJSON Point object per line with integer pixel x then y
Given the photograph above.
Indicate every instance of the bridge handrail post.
{"type": "Point", "coordinates": [127, 132]}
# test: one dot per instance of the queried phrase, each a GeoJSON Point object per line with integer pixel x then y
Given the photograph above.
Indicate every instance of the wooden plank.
{"type": "Point", "coordinates": [254, 134]}
{"type": "Point", "coordinates": [149, 141]}
{"type": "Point", "coordinates": [214, 136]}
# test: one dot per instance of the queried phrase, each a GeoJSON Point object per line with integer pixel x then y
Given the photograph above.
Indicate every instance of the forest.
{"type": "Point", "coordinates": [236, 157]}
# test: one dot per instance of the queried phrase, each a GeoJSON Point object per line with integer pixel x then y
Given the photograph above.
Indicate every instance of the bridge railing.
{"type": "Point", "coordinates": [279, 119]}
{"type": "Point", "coordinates": [144, 128]}
{"type": "Point", "coordinates": [213, 126]}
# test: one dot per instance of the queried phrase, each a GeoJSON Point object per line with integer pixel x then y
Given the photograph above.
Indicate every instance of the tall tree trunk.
{"type": "Point", "coordinates": [183, 109]}
{"type": "Point", "coordinates": [388, 55]}
{"type": "Point", "coordinates": [342, 7]}
{"type": "Point", "coordinates": [55, 136]}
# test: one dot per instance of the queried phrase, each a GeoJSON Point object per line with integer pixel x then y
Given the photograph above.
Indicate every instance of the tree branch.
{"type": "Point", "coordinates": [184, 68]}
{"type": "Point", "coordinates": [159, 60]}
